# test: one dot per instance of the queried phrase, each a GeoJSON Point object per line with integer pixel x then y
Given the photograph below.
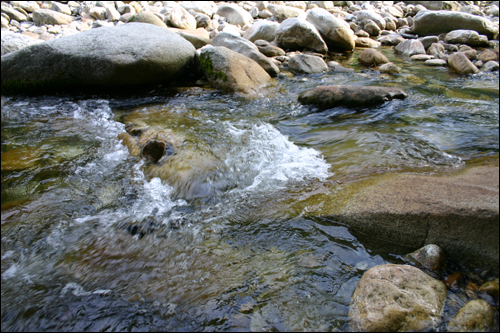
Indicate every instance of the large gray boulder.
{"type": "Point", "coordinates": [297, 34]}
{"type": "Point", "coordinates": [12, 42]}
{"type": "Point", "coordinates": [355, 96]}
{"type": "Point", "coordinates": [431, 22]}
{"type": "Point", "coordinates": [336, 33]}
{"type": "Point", "coordinates": [129, 54]}
{"type": "Point", "coordinates": [47, 16]}
{"type": "Point", "coordinates": [230, 70]}
{"type": "Point", "coordinates": [262, 29]}
{"type": "Point", "coordinates": [459, 213]}
{"type": "Point", "coordinates": [247, 48]}
{"type": "Point", "coordinates": [396, 298]}
{"type": "Point", "coordinates": [234, 14]}
{"type": "Point", "coordinates": [469, 37]}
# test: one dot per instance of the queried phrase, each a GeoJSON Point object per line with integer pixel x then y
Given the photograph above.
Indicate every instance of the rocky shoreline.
{"type": "Point", "coordinates": [240, 47]}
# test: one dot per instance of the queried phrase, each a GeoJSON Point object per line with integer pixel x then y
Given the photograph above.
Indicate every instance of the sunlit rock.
{"type": "Point", "coordinates": [396, 298]}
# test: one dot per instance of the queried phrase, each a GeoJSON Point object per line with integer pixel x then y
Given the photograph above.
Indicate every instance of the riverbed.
{"type": "Point", "coordinates": [234, 252]}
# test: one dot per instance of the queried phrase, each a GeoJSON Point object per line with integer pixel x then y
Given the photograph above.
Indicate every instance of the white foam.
{"type": "Point", "coordinates": [263, 158]}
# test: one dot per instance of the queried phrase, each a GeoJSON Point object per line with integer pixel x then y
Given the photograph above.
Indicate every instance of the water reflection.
{"type": "Point", "coordinates": [92, 240]}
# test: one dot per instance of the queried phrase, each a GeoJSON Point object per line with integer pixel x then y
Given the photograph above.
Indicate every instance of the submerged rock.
{"type": "Point", "coordinates": [129, 54]}
{"type": "Point", "coordinates": [353, 96]}
{"type": "Point", "coordinates": [458, 213]}
{"type": "Point", "coordinates": [395, 298]}
{"type": "Point", "coordinates": [230, 70]}
{"type": "Point", "coordinates": [430, 257]}
{"type": "Point", "coordinates": [476, 316]}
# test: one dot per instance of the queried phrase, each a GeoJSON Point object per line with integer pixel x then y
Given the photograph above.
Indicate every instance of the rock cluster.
{"type": "Point", "coordinates": [439, 31]}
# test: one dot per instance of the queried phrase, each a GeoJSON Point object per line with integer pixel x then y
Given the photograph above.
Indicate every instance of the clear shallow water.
{"type": "Point", "coordinates": [239, 257]}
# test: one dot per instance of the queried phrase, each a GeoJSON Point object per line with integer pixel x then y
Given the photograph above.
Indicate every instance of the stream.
{"type": "Point", "coordinates": [92, 241]}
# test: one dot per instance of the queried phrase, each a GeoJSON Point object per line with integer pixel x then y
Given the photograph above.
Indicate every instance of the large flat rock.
{"type": "Point", "coordinates": [130, 54]}
{"type": "Point", "coordinates": [459, 213]}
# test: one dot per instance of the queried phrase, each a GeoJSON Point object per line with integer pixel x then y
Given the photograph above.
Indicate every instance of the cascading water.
{"type": "Point", "coordinates": [93, 239]}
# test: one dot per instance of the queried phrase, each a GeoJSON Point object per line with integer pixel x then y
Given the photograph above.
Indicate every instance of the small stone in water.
{"type": "Point", "coordinates": [452, 280]}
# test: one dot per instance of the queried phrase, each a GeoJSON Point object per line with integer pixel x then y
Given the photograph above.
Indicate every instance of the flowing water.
{"type": "Point", "coordinates": [93, 240]}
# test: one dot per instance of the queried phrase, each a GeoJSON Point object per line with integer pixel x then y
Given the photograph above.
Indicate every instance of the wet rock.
{"type": "Point", "coordinates": [366, 42]}
{"type": "Point", "coordinates": [133, 53]}
{"type": "Point", "coordinates": [234, 14]}
{"type": "Point", "coordinates": [268, 49]}
{"type": "Point", "coordinates": [284, 12]}
{"type": "Point", "coordinates": [459, 63]}
{"type": "Point", "coordinates": [487, 55]}
{"type": "Point", "coordinates": [469, 37]}
{"type": "Point", "coordinates": [394, 298]}
{"type": "Point", "coordinates": [265, 30]}
{"type": "Point", "coordinates": [476, 316]}
{"type": "Point", "coordinates": [148, 17]}
{"type": "Point", "coordinates": [458, 213]}
{"type": "Point", "coordinates": [355, 96]}
{"type": "Point", "coordinates": [371, 57]}
{"type": "Point", "coordinates": [154, 150]}
{"type": "Point", "coordinates": [490, 66]}
{"type": "Point", "coordinates": [336, 67]}
{"type": "Point", "coordinates": [429, 257]}
{"type": "Point", "coordinates": [336, 33]}
{"type": "Point", "coordinates": [297, 34]}
{"type": "Point", "coordinates": [490, 287]}
{"type": "Point", "coordinates": [430, 22]}
{"type": "Point", "coordinates": [12, 42]}
{"type": "Point", "coordinates": [436, 62]}
{"type": "Point", "coordinates": [388, 68]}
{"type": "Point", "coordinates": [231, 70]}
{"type": "Point", "coordinates": [247, 48]}
{"type": "Point", "coordinates": [47, 16]}
{"type": "Point", "coordinates": [410, 47]}
{"type": "Point", "coordinates": [307, 64]}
